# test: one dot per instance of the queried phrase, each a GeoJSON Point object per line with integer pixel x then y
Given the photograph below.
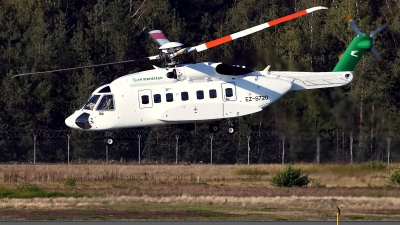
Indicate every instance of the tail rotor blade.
{"type": "Point", "coordinates": [377, 56]}
{"type": "Point", "coordinates": [354, 25]}
{"type": "Point", "coordinates": [159, 37]}
{"type": "Point", "coordinates": [92, 66]}
{"type": "Point", "coordinates": [383, 27]}
{"type": "Point", "coordinates": [251, 30]}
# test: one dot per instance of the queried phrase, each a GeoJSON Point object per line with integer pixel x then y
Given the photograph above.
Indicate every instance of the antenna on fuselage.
{"type": "Point", "coordinates": [267, 68]}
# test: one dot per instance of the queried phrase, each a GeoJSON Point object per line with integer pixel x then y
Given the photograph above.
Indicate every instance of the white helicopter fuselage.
{"type": "Point", "coordinates": [192, 92]}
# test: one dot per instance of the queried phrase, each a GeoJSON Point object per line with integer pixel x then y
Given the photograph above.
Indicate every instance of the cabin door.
{"type": "Point", "coordinates": [145, 99]}
{"type": "Point", "coordinates": [229, 91]}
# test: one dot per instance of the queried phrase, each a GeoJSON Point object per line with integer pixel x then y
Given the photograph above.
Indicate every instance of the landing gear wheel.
{"type": "Point", "coordinates": [108, 141]}
{"type": "Point", "coordinates": [231, 130]}
{"type": "Point", "coordinates": [214, 128]}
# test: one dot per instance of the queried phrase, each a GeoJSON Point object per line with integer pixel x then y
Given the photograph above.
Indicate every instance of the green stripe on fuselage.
{"type": "Point", "coordinates": [353, 53]}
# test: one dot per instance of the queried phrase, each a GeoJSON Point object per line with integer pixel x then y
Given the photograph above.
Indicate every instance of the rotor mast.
{"type": "Point", "coordinates": [170, 50]}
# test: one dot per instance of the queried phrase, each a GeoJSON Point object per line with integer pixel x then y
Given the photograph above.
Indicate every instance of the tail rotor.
{"type": "Point", "coordinates": [383, 27]}
{"type": "Point", "coordinates": [372, 34]}
{"type": "Point", "coordinates": [361, 44]}
{"type": "Point", "coordinates": [377, 56]}
{"type": "Point", "coordinates": [354, 26]}
{"type": "Point", "coordinates": [373, 50]}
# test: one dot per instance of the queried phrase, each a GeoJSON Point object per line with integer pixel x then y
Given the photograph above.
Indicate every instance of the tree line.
{"type": "Point", "coordinates": [359, 120]}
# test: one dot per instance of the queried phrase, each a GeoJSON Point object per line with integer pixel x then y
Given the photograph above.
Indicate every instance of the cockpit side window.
{"type": "Point", "coordinates": [106, 103]}
{"type": "Point", "coordinates": [92, 102]}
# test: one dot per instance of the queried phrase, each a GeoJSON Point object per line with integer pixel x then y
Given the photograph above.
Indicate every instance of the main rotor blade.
{"type": "Point", "coordinates": [251, 30]}
{"type": "Point", "coordinates": [159, 37]}
{"type": "Point", "coordinates": [92, 66]}
{"type": "Point", "coordinates": [354, 25]}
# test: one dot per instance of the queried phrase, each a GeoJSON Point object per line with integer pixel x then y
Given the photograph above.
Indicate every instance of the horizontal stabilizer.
{"type": "Point", "coordinates": [314, 80]}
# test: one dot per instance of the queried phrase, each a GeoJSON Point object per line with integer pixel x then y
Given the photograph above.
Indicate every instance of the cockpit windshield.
{"type": "Point", "coordinates": [92, 102]}
{"type": "Point", "coordinates": [106, 103]}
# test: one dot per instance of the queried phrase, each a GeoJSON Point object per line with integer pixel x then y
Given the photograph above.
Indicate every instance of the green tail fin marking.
{"type": "Point", "coordinates": [359, 46]}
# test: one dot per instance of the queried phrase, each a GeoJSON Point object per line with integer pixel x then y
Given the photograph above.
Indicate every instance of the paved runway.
{"type": "Point", "coordinates": [198, 223]}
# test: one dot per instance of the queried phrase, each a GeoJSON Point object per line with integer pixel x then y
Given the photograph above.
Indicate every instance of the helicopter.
{"type": "Point", "coordinates": [207, 91]}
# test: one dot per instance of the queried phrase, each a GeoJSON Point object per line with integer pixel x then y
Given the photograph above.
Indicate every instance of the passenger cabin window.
{"type": "Point", "coordinates": [213, 93]}
{"type": "Point", "coordinates": [145, 99]}
{"type": "Point", "coordinates": [91, 102]}
{"type": "Point", "coordinates": [106, 103]}
{"type": "Point", "coordinates": [185, 96]}
{"type": "Point", "coordinates": [200, 94]}
{"type": "Point", "coordinates": [228, 92]}
{"type": "Point", "coordinates": [157, 98]}
{"type": "Point", "coordinates": [170, 97]}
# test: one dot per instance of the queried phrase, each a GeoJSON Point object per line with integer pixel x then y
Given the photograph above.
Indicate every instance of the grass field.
{"type": "Point", "coordinates": [195, 192]}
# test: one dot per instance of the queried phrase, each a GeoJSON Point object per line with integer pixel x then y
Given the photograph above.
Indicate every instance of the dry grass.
{"type": "Point", "coordinates": [331, 175]}
{"type": "Point", "coordinates": [222, 190]}
{"type": "Point", "coordinates": [349, 203]}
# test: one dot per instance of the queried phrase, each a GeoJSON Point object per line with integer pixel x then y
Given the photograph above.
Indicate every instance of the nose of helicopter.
{"type": "Point", "coordinates": [78, 122]}
{"type": "Point", "coordinates": [70, 121]}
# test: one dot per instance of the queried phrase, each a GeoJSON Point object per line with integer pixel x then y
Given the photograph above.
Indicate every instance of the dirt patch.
{"type": "Point", "coordinates": [95, 214]}
{"type": "Point", "coordinates": [200, 208]}
{"type": "Point", "coordinates": [160, 190]}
